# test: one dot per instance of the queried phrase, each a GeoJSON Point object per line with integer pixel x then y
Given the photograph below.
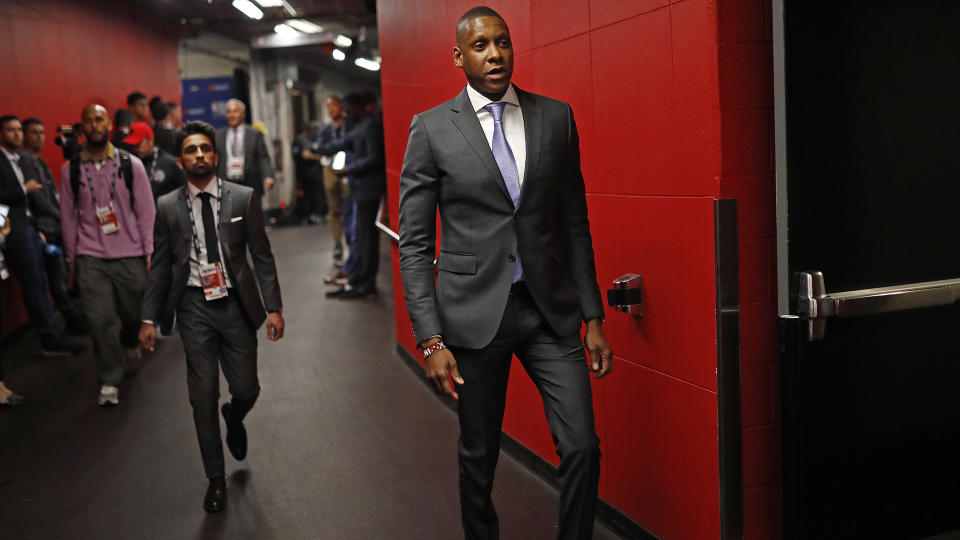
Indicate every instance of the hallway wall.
{"type": "Point", "coordinates": [58, 56]}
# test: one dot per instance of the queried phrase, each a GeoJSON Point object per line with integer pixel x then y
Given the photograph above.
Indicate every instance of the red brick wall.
{"type": "Point", "coordinates": [746, 101]}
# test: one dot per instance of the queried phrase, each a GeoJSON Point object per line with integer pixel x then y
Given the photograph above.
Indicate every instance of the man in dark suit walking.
{"type": "Point", "coordinates": [243, 154]}
{"type": "Point", "coordinates": [515, 273]}
{"type": "Point", "coordinates": [199, 271]}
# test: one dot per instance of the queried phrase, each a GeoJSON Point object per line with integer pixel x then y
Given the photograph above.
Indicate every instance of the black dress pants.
{"type": "Point", "coordinates": [557, 365]}
{"type": "Point", "coordinates": [214, 334]}
{"type": "Point", "coordinates": [363, 275]}
{"type": "Point", "coordinates": [24, 251]}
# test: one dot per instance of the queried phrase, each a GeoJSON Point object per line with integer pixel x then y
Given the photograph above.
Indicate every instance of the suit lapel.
{"type": "Point", "coordinates": [224, 213]}
{"type": "Point", "coordinates": [466, 121]}
{"type": "Point", "coordinates": [533, 129]}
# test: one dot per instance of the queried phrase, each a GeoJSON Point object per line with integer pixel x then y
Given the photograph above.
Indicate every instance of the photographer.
{"type": "Point", "coordinates": [45, 206]}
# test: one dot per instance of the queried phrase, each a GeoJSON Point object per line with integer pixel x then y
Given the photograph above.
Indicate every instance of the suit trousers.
{"type": "Point", "coordinates": [24, 251]}
{"type": "Point", "coordinates": [111, 291]}
{"type": "Point", "coordinates": [217, 333]}
{"type": "Point", "coordinates": [336, 192]}
{"type": "Point", "coordinates": [363, 272]}
{"type": "Point", "coordinates": [557, 365]}
{"type": "Point", "coordinates": [56, 266]}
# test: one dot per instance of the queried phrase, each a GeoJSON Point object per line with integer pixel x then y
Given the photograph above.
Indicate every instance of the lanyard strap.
{"type": "Point", "coordinates": [153, 164]}
{"type": "Point", "coordinates": [193, 220]}
{"type": "Point", "coordinates": [113, 186]}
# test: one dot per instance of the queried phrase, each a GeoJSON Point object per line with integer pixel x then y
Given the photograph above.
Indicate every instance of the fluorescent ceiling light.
{"type": "Point", "coordinates": [343, 41]}
{"type": "Point", "coordinates": [304, 25]}
{"type": "Point", "coordinates": [367, 64]}
{"type": "Point", "coordinates": [270, 3]}
{"type": "Point", "coordinates": [285, 30]}
{"type": "Point", "coordinates": [248, 8]}
{"type": "Point", "coordinates": [338, 55]}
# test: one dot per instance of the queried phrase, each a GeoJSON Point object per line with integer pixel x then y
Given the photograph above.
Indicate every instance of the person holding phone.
{"type": "Point", "coordinates": [199, 271]}
{"type": "Point", "coordinates": [8, 398]}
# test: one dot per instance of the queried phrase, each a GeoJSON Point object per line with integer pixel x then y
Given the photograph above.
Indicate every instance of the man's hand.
{"type": "Point", "coordinates": [43, 237]}
{"type": "Point", "coordinates": [601, 355]}
{"type": "Point", "coordinates": [32, 186]}
{"type": "Point", "coordinates": [148, 336]}
{"type": "Point", "coordinates": [268, 183]}
{"type": "Point", "coordinates": [440, 366]}
{"type": "Point", "coordinates": [72, 275]}
{"type": "Point", "coordinates": [5, 230]}
{"type": "Point", "coordinates": [274, 326]}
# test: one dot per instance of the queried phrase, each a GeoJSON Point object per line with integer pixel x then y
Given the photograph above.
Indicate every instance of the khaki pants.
{"type": "Point", "coordinates": [337, 191]}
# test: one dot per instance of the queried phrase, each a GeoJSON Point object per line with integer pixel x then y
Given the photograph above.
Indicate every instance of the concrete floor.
{"type": "Point", "coordinates": [345, 441]}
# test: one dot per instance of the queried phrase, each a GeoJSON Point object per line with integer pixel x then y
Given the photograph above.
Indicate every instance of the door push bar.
{"type": "Point", "coordinates": [627, 295]}
{"type": "Point", "coordinates": [814, 304]}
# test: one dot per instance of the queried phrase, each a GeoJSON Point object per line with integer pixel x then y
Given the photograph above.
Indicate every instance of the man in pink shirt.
{"type": "Point", "coordinates": [108, 214]}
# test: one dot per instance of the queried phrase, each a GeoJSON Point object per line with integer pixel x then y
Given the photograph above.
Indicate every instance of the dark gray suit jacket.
{"type": "Point", "coordinates": [256, 159]}
{"type": "Point", "coordinates": [173, 244]}
{"type": "Point", "coordinates": [449, 165]}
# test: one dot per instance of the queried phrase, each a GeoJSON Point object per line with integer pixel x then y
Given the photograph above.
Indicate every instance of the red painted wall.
{"type": "Point", "coordinates": [58, 56]}
{"type": "Point", "coordinates": [671, 116]}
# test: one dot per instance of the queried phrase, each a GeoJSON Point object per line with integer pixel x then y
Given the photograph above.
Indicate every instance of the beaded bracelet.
{"type": "Point", "coordinates": [438, 346]}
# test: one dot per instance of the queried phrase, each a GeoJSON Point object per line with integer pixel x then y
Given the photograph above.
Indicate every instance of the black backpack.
{"type": "Point", "coordinates": [126, 170]}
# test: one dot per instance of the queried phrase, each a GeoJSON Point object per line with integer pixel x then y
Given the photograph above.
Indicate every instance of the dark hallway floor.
{"type": "Point", "coordinates": [345, 441]}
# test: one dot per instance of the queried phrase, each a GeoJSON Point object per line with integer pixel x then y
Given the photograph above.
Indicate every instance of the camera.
{"type": "Point", "coordinates": [67, 139]}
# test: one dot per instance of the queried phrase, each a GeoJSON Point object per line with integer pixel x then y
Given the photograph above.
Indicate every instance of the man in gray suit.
{"type": "Point", "coordinates": [199, 271]}
{"type": "Point", "coordinates": [515, 273]}
{"type": "Point", "coordinates": [243, 154]}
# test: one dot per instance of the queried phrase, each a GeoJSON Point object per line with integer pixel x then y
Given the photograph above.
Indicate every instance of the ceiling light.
{"type": "Point", "coordinates": [248, 8]}
{"type": "Point", "coordinates": [367, 64]}
{"type": "Point", "coordinates": [270, 3]}
{"type": "Point", "coordinates": [304, 25]}
{"type": "Point", "coordinates": [284, 30]}
{"type": "Point", "coordinates": [338, 55]}
{"type": "Point", "coordinates": [343, 41]}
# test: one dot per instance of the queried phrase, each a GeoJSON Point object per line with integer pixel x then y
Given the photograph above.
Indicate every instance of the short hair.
{"type": "Point", "coordinates": [122, 118]}
{"type": "Point", "coordinates": [158, 109]}
{"type": "Point", "coordinates": [7, 118]}
{"type": "Point", "coordinates": [369, 97]}
{"type": "Point", "coordinates": [194, 127]}
{"type": "Point", "coordinates": [235, 101]}
{"type": "Point", "coordinates": [335, 98]}
{"type": "Point", "coordinates": [31, 121]}
{"type": "Point", "coordinates": [135, 97]}
{"type": "Point", "coordinates": [354, 98]}
{"type": "Point", "coordinates": [479, 11]}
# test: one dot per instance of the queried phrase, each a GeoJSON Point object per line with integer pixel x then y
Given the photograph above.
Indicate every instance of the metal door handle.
{"type": "Point", "coordinates": [815, 304]}
{"type": "Point", "coordinates": [627, 294]}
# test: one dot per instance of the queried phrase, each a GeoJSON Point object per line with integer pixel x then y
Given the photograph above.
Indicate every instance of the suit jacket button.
{"type": "Point", "coordinates": [511, 258]}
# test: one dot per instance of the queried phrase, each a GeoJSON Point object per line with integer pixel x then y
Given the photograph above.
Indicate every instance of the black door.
{"type": "Point", "coordinates": [868, 136]}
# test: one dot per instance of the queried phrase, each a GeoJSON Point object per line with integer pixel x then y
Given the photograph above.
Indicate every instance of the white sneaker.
{"type": "Point", "coordinates": [109, 395]}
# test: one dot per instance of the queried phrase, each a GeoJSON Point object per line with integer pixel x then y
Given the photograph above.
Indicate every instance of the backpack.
{"type": "Point", "coordinates": [126, 170]}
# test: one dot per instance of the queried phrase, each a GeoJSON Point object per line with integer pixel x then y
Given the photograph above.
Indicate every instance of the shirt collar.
{"type": "Point", "coordinates": [12, 156]}
{"type": "Point", "coordinates": [211, 188]}
{"type": "Point", "coordinates": [85, 154]}
{"type": "Point", "coordinates": [238, 129]}
{"type": "Point", "coordinates": [479, 101]}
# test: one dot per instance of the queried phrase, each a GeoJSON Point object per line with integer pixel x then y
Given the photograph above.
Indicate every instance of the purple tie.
{"type": "Point", "coordinates": [507, 164]}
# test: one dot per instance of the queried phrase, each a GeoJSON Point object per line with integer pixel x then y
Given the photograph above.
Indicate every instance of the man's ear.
{"type": "Point", "coordinates": [457, 56]}
{"type": "Point", "coordinates": [180, 162]}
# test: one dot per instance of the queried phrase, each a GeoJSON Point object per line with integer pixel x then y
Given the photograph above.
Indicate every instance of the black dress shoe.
{"type": "Point", "coordinates": [216, 497]}
{"type": "Point", "coordinates": [336, 293]}
{"type": "Point", "coordinates": [236, 435]}
{"type": "Point", "coordinates": [13, 400]}
{"type": "Point", "coordinates": [354, 294]}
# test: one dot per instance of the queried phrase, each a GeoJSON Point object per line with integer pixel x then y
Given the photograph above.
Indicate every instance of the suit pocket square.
{"type": "Point", "coordinates": [236, 219]}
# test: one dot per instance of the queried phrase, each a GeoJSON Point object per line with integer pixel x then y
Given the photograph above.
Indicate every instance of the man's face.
{"type": "Point", "coordinates": [96, 125]}
{"type": "Point", "coordinates": [198, 158]}
{"type": "Point", "coordinates": [485, 53]}
{"type": "Point", "coordinates": [34, 137]}
{"type": "Point", "coordinates": [334, 109]}
{"type": "Point", "coordinates": [144, 149]}
{"type": "Point", "coordinates": [12, 134]}
{"type": "Point", "coordinates": [235, 114]}
{"type": "Point", "coordinates": [141, 109]}
{"type": "Point", "coordinates": [175, 116]}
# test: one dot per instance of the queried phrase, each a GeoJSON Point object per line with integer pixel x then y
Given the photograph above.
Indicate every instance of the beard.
{"type": "Point", "coordinates": [97, 143]}
{"type": "Point", "coordinates": [199, 170]}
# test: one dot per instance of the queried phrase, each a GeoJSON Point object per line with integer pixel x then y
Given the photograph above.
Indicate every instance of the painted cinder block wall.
{"type": "Point", "coordinates": [673, 101]}
{"type": "Point", "coordinates": [57, 56]}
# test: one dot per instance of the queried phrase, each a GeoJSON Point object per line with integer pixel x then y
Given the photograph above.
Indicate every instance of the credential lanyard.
{"type": "Point", "coordinates": [193, 220]}
{"type": "Point", "coordinates": [113, 186]}
{"type": "Point", "coordinates": [153, 164]}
